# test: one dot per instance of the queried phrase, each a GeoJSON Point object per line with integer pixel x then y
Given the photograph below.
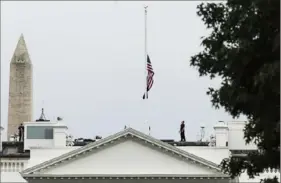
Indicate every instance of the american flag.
{"type": "Point", "coordinates": [149, 78]}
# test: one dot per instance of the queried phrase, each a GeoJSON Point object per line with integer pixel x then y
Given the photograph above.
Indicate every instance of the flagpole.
{"type": "Point", "coordinates": [145, 62]}
{"type": "Point", "coordinates": [145, 49]}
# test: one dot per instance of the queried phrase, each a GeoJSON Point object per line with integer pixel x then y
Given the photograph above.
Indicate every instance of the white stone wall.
{"type": "Point", "coordinates": [236, 139]}
{"type": "Point", "coordinates": [11, 177]}
{"type": "Point", "coordinates": [213, 154]}
{"type": "Point", "coordinates": [129, 157]}
{"type": "Point", "coordinates": [43, 143]}
{"type": "Point", "coordinates": [59, 136]}
{"type": "Point", "coordinates": [40, 155]}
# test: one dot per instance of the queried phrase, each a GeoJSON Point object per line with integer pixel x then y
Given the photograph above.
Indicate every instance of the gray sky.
{"type": "Point", "coordinates": [88, 65]}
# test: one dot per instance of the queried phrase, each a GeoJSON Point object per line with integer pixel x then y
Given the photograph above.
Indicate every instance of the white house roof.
{"type": "Point", "coordinates": [127, 133]}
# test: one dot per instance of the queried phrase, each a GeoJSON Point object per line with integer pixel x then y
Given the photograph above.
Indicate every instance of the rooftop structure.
{"type": "Point", "coordinates": [48, 152]}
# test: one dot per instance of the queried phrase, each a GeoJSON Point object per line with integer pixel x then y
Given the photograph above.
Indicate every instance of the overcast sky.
{"type": "Point", "coordinates": [88, 65]}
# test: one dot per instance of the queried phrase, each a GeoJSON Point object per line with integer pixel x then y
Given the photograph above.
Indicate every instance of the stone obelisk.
{"type": "Point", "coordinates": [20, 89]}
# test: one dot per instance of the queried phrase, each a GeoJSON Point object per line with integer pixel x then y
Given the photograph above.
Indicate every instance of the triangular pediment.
{"type": "Point", "coordinates": [127, 152]}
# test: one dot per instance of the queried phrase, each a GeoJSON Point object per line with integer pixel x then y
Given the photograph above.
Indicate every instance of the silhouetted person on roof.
{"type": "Point", "coordinates": [21, 132]}
{"type": "Point", "coordinates": [182, 131]}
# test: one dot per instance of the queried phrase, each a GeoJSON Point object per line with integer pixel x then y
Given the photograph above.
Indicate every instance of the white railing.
{"type": "Point", "coordinates": [12, 165]}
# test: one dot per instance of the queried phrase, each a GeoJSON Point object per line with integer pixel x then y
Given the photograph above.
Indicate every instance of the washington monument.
{"type": "Point", "coordinates": [20, 89]}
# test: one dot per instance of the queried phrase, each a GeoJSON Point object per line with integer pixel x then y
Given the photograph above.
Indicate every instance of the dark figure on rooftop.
{"type": "Point", "coordinates": [182, 131]}
{"type": "Point", "coordinates": [21, 132]}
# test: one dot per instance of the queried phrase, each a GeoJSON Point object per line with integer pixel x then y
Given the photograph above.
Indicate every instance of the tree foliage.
{"type": "Point", "coordinates": [243, 49]}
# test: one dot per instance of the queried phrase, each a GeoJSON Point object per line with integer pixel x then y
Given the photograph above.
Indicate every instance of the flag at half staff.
{"type": "Point", "coordinates": [149, 77]}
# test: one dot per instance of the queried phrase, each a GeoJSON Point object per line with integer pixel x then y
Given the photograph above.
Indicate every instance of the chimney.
{"type": "Point", "coordinates": [221, 134]}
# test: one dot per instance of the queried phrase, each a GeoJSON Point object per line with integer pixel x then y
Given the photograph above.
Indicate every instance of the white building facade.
{"type": "Point", "coordinates": [127, 156]}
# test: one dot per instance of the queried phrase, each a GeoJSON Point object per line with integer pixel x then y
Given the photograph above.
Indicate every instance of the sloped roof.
{"type": "Point", "coordinates": [127, 133]}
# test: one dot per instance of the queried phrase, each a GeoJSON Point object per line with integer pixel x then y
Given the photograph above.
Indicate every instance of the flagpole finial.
{"type": "Point", "coordinates": [145, 8]}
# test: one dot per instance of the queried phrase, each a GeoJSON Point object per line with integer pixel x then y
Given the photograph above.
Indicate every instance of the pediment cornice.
{"type": "Point", "coordinates": [123, 135]}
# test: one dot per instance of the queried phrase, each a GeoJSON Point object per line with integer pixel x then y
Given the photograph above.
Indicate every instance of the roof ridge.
{"type": "Point", "coordinates": [178, 149]}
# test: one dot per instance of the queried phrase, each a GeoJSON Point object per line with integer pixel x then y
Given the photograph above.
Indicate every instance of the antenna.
{"type": "Point", "coordinates": [42, 116]}
{"type": "Point", "coordinates": [202, 133]}
{"type": "Point", "coordinates": [43, 105]}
